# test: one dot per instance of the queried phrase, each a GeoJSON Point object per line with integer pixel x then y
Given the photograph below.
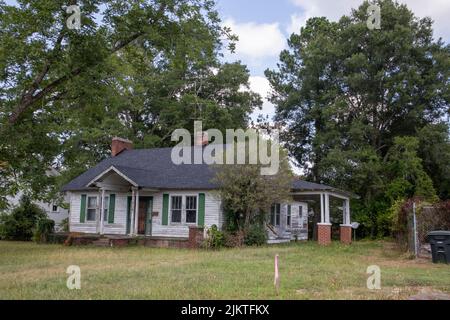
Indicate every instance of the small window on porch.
{"type": "Point", "coordinates": [275, 214]}
{"type": "Point", "coordinates": [91, 208]}
{"type": "Point", "coordinates": [288, 216]}
{"type": "Point", "coordinates": [106, 209]}
{"type": "Point", "coordinates": [176, 208]}
{"type": "Point", "coordinates": [191, 209]}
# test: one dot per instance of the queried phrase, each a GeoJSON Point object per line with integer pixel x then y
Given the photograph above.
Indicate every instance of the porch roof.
{"type": "Point", "coordinates": [306, 186]}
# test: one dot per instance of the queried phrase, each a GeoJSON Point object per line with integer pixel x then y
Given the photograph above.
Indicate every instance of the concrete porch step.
{"type": "Point", "coordinates": [279, 240]}
{"type": "Point", "coordinates": [283, 236]}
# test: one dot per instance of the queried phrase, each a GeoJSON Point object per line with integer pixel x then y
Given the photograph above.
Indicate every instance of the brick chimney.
{"type": "Point", "coordinates": [119, 144]}
{"type": "Point", "coordinates": [201, 139]}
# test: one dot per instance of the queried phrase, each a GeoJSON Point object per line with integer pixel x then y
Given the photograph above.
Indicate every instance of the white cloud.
{"type": "Point", "coordinates": [262, 86]}
{"type": "Point", "coordinates": [438, 10]}
{"type": "Point", "coordinates": [333, 10]}
{"type": "Point", "coordinates": [257, 41]}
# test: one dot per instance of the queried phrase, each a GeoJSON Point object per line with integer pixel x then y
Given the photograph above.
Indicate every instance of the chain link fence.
{"type": "Point", "coordinates": [416, 220]}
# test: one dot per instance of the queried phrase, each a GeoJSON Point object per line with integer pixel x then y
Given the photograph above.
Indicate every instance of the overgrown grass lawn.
{"type": "Point", "coordinates": [307, 271]}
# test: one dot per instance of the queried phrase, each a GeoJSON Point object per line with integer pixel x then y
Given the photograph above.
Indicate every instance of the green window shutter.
{"type": "Point", "coordinates": [201, 209]}
{"type": "Point", "coordinates": [112, 208]}
{"type": "Point", "coordinates": [129, 214]}
{"type": "Point", "coordinates": [165, 210]}
{"type": "Point", "coordinates": [83, 208]}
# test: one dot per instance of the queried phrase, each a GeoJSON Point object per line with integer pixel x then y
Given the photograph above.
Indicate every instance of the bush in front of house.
{"type": "Point", "coordinates": [234, 239]}
{"type": "Point", "coordinates": [216, 238]}
{"type": "Point", "coordinates": [65, 225]}
{"type": "Point", "coordinates": [256, 235]}
{"type": "Point", "coordinates": [21, 222]}
{"type": "Point", "coordinates": [44, 228]}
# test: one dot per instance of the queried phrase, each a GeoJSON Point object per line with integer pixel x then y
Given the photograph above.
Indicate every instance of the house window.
{"type": "Point", "coordinates": [106, 209]}
{"type": "Point", "coordinates": [191, 209]}
{"type": "Point", "coordinates": [54, 208]}
{"type": "Point", "coordinates": [288, 216]}
{"type": "Point", "coordinates": [176, 209]}
{"type": "Point", "coordinates": [275, 214]}
{"type": "Point", "coordinates": [91, 208]}
{"type": "Point", "coordinates": [272, 215]}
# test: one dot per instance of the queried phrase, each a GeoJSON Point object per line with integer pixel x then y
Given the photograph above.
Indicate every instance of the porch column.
{"type": "Point", "coordinates": [324, 227]}
{"type": "Point", "coordinates": [347, 212]}
{"type": "Point", "coordinates": [346, 227]}
{"type": "Point", "coordinates": [133, 202]}
{"type": "Point", "coordinates": [98, 213]}
{"type": "Point", "coordinates": [327, 208]}
{"type": "Point", "coordinates": [322, 208]}
{"type": "Point", "coordinates": [102, 209]}
{"type": "Point", "coordinates": [136, 213]}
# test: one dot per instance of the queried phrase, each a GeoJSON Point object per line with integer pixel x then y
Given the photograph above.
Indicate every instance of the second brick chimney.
{"type": "Point", "coordinates": [201, 139]}
{"type": "Point", "coordinates": [119, 144]}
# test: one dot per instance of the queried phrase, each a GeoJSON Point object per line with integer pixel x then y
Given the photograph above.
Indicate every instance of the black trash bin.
{"type": "Point", "coordinates": [440, 246]}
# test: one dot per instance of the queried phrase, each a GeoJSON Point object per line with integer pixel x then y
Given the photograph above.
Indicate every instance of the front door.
{"type": "Point", "coordinates": [145, 215]}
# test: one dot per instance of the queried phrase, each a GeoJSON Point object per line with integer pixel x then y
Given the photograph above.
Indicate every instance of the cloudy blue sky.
{"type": "Point", "coordinates": [264, 25]}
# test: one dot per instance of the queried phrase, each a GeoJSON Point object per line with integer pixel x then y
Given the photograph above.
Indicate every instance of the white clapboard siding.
{"type": "Point", "coordinates": [212, 214]}
{"type": "Point", "coordinates": [58, 216]}
{"type": "Point", "coordinates": [120, 215]}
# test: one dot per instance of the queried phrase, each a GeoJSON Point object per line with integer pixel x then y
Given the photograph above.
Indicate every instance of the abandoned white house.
{"type": "Point", "coordinates": [143, 193]}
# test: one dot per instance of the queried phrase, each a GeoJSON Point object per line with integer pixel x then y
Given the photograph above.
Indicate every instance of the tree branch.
{"type": "Point", "coordinates": [31, 97]}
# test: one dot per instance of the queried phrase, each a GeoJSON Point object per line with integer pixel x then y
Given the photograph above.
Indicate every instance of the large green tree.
{"type": "Point", "coordinates": [345, 93]}
{"type": "Point", "coordinates": [247, 194]}
{"type": "Point", "coordinates": [138, 69]}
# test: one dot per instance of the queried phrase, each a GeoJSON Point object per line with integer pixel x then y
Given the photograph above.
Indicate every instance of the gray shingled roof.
{"type": "Point", "coordinates": [150, 168]}
{"type": "Point", "coordinates": [153, 168]}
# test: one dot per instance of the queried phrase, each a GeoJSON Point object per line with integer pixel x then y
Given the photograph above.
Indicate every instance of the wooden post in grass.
{"type": "Point", "coordinates": [277, 276]}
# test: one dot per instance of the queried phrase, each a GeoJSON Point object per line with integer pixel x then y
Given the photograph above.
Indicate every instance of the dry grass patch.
{"type": "Point", "coordinates": [308, 271]}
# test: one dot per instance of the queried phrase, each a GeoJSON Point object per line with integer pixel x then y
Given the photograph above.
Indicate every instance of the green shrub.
{"type": "Point", "coordinates": [216, 238]}
{"type": "Point", "coordinates": [256, 235]}
{"type": "Point", "coordinates": [44, 228]}
{"type": "Point", "coordinates": [9, 227]}
{"type": "Point", "coordinates": [21, 222]}
{"type": "Point", "coordinates": [65, 225]}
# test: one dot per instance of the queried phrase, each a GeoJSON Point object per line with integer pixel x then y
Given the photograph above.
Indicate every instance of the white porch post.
{"type": "Point", "coordinates": [98, 213]}
{"type": "Point", "coordinates": [327, 208]}
{"type": "Point", "coordinates": [102, 209]}
{"type": "Point", "coordinates": [346, 215]}
{"type": "Point", "coordinates": [133, 202]}
{"type": "Point", "coordinates": [322, 209]}
{"type": "Point", "coordinates": [136, 213]}
{"type": "Point", "coordinates": [324, 227]}
{"type": "Point", "coordinates": [346, 228]}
